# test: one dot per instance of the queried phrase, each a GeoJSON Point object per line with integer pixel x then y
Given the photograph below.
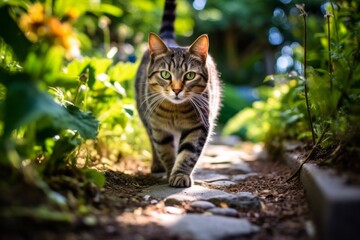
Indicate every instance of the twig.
{"type": "Point", "coordinates": [310, 155]}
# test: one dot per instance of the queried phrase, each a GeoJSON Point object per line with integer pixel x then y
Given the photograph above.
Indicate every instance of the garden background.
{"type": "Point", "coordinates": [290, 71]}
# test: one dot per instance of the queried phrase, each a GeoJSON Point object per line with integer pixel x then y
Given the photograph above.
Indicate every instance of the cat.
{"type": "Point", "coordinates": [178, 95]}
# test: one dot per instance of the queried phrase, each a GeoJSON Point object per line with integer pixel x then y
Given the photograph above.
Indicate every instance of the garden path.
{"type": "Point", "coordinates": [237, 194]}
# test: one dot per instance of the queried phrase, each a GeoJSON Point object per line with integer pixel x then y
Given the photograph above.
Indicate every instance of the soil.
{"type": "Point", "coordinates": [343, 159]}
{"type": "Point", "coordinates": [120, 213]}
{"type": "Point", "coordinates": [284, 213]}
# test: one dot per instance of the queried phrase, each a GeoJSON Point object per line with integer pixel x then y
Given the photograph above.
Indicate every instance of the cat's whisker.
{"type": "Point", "coordinates": [154, 103]}
{"type": "Point", "coordinates": [148, 97]}
{"type": "Point", "coordinates": [201, 114]}
{"type": "Point", "coordinates": [203, 102]}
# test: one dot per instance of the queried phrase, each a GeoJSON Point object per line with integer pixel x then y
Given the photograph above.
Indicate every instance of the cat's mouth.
{"type": "Point", "coordinates": [177, 99]}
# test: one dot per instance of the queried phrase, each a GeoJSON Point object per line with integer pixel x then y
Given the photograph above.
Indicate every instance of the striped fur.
{"type": "Point", "coordinates": [178, 99]}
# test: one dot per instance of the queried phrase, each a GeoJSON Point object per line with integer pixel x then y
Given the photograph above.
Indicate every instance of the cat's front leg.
{"type": "Point", "coordinates": [191, 145]}
{"type": "Point", "coordinates": [163, 150]}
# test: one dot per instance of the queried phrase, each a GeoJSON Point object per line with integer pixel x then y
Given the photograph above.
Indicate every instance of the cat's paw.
{"type": "Point", "coordinates": [179, 180]}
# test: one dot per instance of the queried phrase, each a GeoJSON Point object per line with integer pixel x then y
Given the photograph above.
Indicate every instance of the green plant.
{"type": "Point", "coordinates": [329, 89]}
{"type": "Point", "coordinates": [52, 100]}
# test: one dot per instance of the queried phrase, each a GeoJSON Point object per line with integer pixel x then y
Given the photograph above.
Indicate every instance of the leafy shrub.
{"type": "Point", "coordinates": [332, 83]}
{"type": "Point", "coordinates": [59, 109]}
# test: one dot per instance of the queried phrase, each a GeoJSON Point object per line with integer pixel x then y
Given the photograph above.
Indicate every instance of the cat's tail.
{"type": "Point", "coordinates": [167, 30]}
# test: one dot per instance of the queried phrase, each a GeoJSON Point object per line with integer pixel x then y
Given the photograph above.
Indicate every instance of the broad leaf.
{"type": "Point", "coordinates": [95, 177]}
{"type": "Point", "coordinates": [25, 103]}
{"type": "Point", "coordinates": [84, 122]}
{"type": "Point", "coordinates": [12, 35]}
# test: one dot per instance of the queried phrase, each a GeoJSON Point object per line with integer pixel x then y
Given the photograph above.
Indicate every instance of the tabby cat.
{"type": "Point", "coordinates": [178, 99]}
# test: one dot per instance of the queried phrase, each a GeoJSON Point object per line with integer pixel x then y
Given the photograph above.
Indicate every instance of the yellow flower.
{"type": "Point", "coordinates": [32, 22]}
{"type": "Point", "coordinates": [35, 24]}
{"type": "Point", "coordinates": [63, 32]}
{"type": "Point", "coordinates": [37, 12]}
{"type": "Point", "coordinates": [72, 14]}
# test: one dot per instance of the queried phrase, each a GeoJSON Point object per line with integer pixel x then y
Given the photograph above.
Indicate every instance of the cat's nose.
{"type": "Point", "coordinates": [176, 91]}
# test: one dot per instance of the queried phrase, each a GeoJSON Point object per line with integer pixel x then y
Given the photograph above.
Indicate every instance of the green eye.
{"type": "Point", "coordinates": [190, 76]}
{"type": "Point", "coordinates": [165, 75]}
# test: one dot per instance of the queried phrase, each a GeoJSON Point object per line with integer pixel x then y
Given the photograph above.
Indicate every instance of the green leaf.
{"type": "Point", "coordinates": [108, 9]}
{"type": "Point", "coordinates": [62, 148]}
{"type": "Point", "coordinates": [41, 213]}
{"type": "Point", "coordinates": [64, 6]}
{"type": "Point", "coordinates": [25, 103]}
{"type": "Point", "coordinates": [84, 122]}
{"type": "Point", "coordinates": [91, 66]}
{"type": "Point", "coordinates": [90, 71]}
{"type": "Point", "coordinates": [12, 35]}
{"type": "Point", "coordinates": [95, 177]}
{"type": "Point", "coordinates": [123, 71]}
{"type": "Point", "coordinates": [17, 3]}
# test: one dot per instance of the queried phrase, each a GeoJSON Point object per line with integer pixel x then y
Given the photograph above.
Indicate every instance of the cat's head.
{"type": "Point", "coordinates": [178, 73]}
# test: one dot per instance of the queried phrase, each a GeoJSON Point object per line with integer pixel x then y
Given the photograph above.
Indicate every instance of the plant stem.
{"type": "Point", "coordinates": [329, 51]}
{"type": "Point", "coordinates": [304, 14]}
{"type": "Point", "coordinates": [83, 80]}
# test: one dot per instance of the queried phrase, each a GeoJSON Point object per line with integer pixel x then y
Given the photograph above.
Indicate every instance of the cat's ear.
{"type": "Point", "coordinates": [200, 46]}
{"type": "Point", "coordinates": [156, 45]}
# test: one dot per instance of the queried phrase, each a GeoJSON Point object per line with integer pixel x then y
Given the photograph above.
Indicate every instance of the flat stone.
{"type": "Point", "coordinates": [175, 196]}
{"type": "Point", "coordinates": [226, 153]}
{"type": "Point", "coordinates": [241, 168]}
{"type": "Point", "coordinates": [205, 227]}
{"type": "Point", "coordinates": [222, 183]}
{"type": "Point", "coordinates": [177, 199]}
{"type": "Point", "coordinates": [229, 212]}
{"type": "Point", "coordinates": [208, 175]}
{"type": "Point", "coordinates": [229, 168]}
{"type": "Point", "coordinates": [202, 204]}
{"type": "Point", "coordinates": [242, 200]}
{"type": "Point", "coordinates": [174, 210]}
{"type": "Point", "coordinates": [242, 177]}
{"type": "Point", "coordinates": [192, 193]}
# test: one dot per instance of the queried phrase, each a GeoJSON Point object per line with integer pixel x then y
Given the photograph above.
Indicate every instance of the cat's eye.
{"type": "Point", "coordinates": [165, 75]}
{"type": "Point", "coordinates": [189, 76]}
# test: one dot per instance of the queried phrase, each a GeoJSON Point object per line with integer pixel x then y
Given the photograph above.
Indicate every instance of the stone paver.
{"type": "Point", "coordinates": [205, 227]}
{"type": "Point", "coordinates": [222, 183]}
{"type": "Point", "coordinates": [193, 193]}
{"type": "Point", "coordinates": [202, 205]}
{"type": "Point", "coordinates": [230, 212]}
{"type": "Point", "coordinates": [220, 166]}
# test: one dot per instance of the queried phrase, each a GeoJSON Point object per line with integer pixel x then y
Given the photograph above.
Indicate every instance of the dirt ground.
{"type": "Point", "coordinates": [118, 213]}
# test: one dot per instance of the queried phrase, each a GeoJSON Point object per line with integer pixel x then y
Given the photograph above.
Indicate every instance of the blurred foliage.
{"type": "Point", "coordinates": [246, 39]}
{"type": "Point", "coordinates": [61, 112]}
{"type": "Point", "coordinates": [333, 80]}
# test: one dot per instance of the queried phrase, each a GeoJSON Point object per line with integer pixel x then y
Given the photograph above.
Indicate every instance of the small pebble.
{"type": "Point", "coordinates": [174, 210]}
{"type": "Point", "coordinates": [241, 200]}
{"type": "Point", "coordinates": [202, 204]}
{"type": "Point", "coordinates": [90, 220]}
{"type": "Point", "coordinates": [229, 212]}
{"type": "Point", "coordinates": [154, 201]}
